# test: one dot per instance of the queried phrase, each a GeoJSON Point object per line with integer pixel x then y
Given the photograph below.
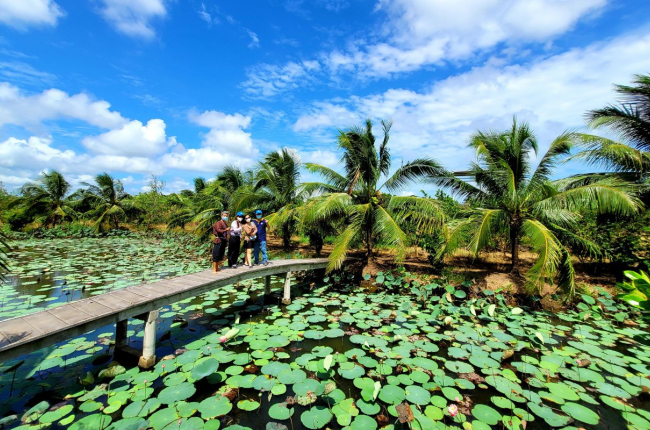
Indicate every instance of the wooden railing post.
{"type": "Point", "coordinates": [286, 299]}
{"type": "Point", "coordinates": [148, 358]}
{"type": "Point", "coordinates": [121, 328]}
{"type": "Point", "coordinates": [267, 285]}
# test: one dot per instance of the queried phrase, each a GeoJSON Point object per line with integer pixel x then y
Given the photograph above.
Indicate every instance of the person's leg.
{"type": "Point", "coordinates": [263, 248]}
{"type": "Point", "coordinates": [222, 253]}
{"type": "Point", "coordinates": [215, 256]}
{"type": "Point", "coordinates": [256, 252]}
{"type": "Point", "coordinates": [249, 256]}
{"type": "Point", "coordinates": [233, 251]}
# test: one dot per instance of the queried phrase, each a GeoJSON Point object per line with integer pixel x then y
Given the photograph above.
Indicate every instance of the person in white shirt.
{"type": "Point", "coordinates": [235, 240]}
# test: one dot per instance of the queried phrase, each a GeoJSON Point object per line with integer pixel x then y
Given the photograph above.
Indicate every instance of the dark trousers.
{"type": "Point", "coordinates": [233, 250]}
{"type": "Point", "coordinates": [218, 251]}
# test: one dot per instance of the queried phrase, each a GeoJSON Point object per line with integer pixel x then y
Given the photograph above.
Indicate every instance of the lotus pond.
{"type": "Point", "coordinates": [339, 357]}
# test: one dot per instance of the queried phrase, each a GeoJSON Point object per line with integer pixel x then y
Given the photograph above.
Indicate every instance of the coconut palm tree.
{"type": "Point", "coordinates": [276, 190]}
{"type": "Point", "coordinates": [109, 200]}
{"type": "Point", "coordinates": [511, 198]}
{"type": "Point", "coordinates": [629, 119]}
{"type": "Point", "coordinates": [47, 199]}
{"type": "Point", "coordinates": [356, 198]}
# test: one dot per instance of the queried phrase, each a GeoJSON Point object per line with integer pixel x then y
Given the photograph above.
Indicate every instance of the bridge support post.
{"type": "Point", "coordinates": [120, 333]}
{"type": "Point", "coordinates": [267, 285]}
{"type": "Point", "coordinates": [286, 298]}
{"type": "Point", "coordinates": [148, 358]}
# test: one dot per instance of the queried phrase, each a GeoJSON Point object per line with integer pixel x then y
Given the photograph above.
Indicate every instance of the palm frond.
{"type": "Point", "coordinates": [605, 196]}
{"type": "Point", "coordinates": [553, 259]}
{"type": "Point", "coordinates": [412, 171]}
{"type": "Point", "coordinates": [611, 155]}
{"type": "Point", "coordinates": [486, 223]}
{"type": "Point", "coordinates": [426, 214]}
{"type": "Point", "coordinates": [389, 231]}
{"type": "Point", "coordinates": [332, 177]}
{"type": "Point", "coordinates": [343, 244]}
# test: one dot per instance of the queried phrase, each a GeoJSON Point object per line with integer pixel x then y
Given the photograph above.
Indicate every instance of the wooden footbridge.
{"type": "Point", "coordinates": [29, 333]}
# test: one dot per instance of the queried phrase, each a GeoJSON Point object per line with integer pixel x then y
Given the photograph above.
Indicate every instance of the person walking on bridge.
{"type": "Point", "coordinates": [220, 230]}
{"type": "Point", "coordinates": [234, 244]}
{"type": "Point", "coordinates": [260, 244]}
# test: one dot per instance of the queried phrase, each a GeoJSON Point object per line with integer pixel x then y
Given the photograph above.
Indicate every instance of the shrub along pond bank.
{"type": "Point", "coordinates": [405, 356]}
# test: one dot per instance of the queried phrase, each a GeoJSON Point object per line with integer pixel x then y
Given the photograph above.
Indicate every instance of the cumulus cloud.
{"type": "Point", "coordinates": [133, 17]}
{"type": "Point", "coordinates": [25, 13]}
{"type": "Point", "coordinates": [27, 157]}
{"type": "Point", "coordinates": [134, 139]}
{"type": "Point", "coordinates": [31, 110]}
{"type": "Point", "coordinates": [224, 144]}
{"type": "Point", "coordinates": [551, 93]}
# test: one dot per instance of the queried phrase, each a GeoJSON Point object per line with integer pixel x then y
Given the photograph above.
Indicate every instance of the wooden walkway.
{"type": "Point", "coordinates": [29, 333]}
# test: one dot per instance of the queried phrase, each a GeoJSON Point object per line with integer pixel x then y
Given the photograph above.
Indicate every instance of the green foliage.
{"type": "Point", "coordinates": [511, 198]}
{"type": "Point", "coordinates": [637, 290]}
{"type": "Point", "coordinates": [355, 200]}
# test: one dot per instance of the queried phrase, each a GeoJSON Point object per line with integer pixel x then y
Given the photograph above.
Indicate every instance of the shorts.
{"type": "Point", "coordinates": [249, 244]}
{"type": "Point", "coordinates": [218, 251]}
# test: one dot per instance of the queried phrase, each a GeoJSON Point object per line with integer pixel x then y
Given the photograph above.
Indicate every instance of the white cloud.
{"type": "Point", "coordinates": [23, 13]}
{"type": "Point", "coordinates": [325, 158]}
{"type": "Point", "coordinates": [28, 157]}
{"type": "Point", "coordinates": [423, 32]}
{"type": "Point", "coordinates": [132, 140]}
{"type": "Point", "coordinates": [551, 93]}
{"type": "Point", "coordinates": [206, 159]}
{"type": "Point", "coordinates": [18, 71]}
{"type": "Point", "coordinates": [226, 143]}
{"type": "Point", "coordinates": [31, 110]}
{"type": "Point", "coordinates": [266, 80]}
{"type": "Point", "coordinates": [134, 17]}
{"type": "Point", "coordinates": [226, 131]}
{"type": "Point", "coordinates": [255, 40]}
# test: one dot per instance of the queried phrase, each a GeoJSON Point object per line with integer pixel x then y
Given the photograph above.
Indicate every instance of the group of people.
{"type": "Point", "coordinates": [252, 232]}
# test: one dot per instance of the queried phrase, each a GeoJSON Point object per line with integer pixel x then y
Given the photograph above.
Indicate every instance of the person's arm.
{"type": "Point", "coordinates": [219, 227]}
{"type": "Point", "coordinates": [254, 230]}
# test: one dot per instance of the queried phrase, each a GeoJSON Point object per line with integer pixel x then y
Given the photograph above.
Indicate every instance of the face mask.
{"type": "Point", "coordinates": [225, 218]}
{"type": "Point", "coordinates": [239, 218]}
{"type": "Point", "coordinates": [248, 220]}
{"type": "Point", "coordinates": [259, 216]}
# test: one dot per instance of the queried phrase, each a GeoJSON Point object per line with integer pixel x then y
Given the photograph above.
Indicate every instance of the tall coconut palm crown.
{"type": "Point", "coordinates": [109, 201]}
{"type": "Point", "coordinates": [47, 198]}
{"type": "Point", "coordinates": [511, 197]}
{"type": "Point", "coordinates": [355, 196]}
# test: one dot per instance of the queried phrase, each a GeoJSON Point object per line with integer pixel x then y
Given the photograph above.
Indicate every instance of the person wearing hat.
{"type": "Point", "coordinates": [260, 244]}
{"type": "Point", "coordinates": [220, 230]}
{"type": "Point", "coordinates": [235, 240]}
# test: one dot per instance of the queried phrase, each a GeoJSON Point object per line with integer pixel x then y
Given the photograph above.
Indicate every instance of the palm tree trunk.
{"type": "Point", "coordinates": [286, 237]}
{"type": "Point", "coordinates": [514, 246]}
{"type": "Point", "coordinates": [369, 244]}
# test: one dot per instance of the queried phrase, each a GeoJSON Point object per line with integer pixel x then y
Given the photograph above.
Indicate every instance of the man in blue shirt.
{"type": "Point", "coordinates": [260, 243]}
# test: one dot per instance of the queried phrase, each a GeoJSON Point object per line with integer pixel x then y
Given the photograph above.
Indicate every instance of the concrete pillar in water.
{"type": "Point", "coordinates": [267, 285]}
{"type": "Point", "coordinates": [286, 299]}
{"type": "Point", "coordinates": [148, 358]}
{"type": "Point", "coordinates": [120, 333]}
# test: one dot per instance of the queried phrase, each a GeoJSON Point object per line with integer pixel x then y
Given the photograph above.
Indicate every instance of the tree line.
{"type": "Point", "coordinates": [501, 200]}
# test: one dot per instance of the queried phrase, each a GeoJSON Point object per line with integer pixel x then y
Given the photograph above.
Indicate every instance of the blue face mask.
{"type": "Point", "coordinates": [259, 216]}
{"type": "Point", "coordinates": [225, 218]}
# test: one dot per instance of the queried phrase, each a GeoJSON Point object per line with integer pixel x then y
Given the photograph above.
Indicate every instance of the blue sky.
{"type": "Point", "coordinates": [181, 88]}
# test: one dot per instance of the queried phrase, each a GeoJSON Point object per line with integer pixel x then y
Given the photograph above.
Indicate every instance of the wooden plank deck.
{"type": "Point", "coordinates": [29, 333]}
